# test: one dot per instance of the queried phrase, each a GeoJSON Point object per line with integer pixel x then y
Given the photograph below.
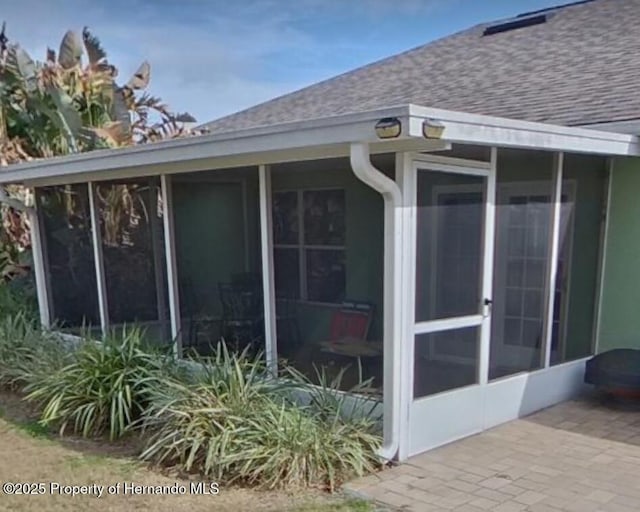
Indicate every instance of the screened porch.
{"type": "Point", "coordinates": [105, 250]}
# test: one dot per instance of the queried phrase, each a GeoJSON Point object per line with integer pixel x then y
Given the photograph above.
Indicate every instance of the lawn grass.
{"type": "Point", "coordinates": [32, 453]}
{"type": "Point", "coordinates": [346, 506]}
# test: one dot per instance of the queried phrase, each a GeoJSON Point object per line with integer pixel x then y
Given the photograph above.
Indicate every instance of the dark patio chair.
{"type": "Point", "coordinates": [242, 315]}
{"type": "Point", "coordinates": [288, 329]}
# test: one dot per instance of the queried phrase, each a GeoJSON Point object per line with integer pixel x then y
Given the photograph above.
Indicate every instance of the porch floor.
{"type": "Point", "coordinates": [578, 456]}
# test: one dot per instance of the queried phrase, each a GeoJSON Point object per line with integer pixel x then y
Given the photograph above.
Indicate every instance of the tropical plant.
{"type": "Point", "coordinates": [104, 388]}
{"type": "Point", "coordinates": [27, 352]}
{"type": "Point", "coordinates": [17, 298]}
{"type": "Point", "coordinates": [234, 422]}
{"type": "Point", "coordinates": [69, 103]}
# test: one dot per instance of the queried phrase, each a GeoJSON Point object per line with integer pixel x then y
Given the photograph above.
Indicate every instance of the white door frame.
{"type": "Point", "coordinates": [465, 403]}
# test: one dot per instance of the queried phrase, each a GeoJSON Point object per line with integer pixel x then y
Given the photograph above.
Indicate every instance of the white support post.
{"type": "Point", "coordinates": [487, 273]}
{"type": "Point", "coordinates": [554, 248]}
{"type": "Point", "coordinates": [39, 266]}
{"type": "Point", "coordinates": [406, 178]}
{"type": "Point", "coordinates": [96, 236]}
{"type": "Point", "coordinates": [268, 281]}
{"type": "Point", "coordinates": [172, 271]}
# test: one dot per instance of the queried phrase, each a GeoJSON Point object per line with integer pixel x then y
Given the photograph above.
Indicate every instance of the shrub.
{"type": "Point", "coordinates": [104, 388]}
{"type": "Point", "coordinates": [17, 297]}
{"type": "Point", "coordinates": [26, 351]}
{"type": "Point", "coordinates": [235, 423]}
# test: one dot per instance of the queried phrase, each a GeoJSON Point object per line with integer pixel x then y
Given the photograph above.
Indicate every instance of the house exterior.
{"type": "Point", "coordinates": [473, 199]}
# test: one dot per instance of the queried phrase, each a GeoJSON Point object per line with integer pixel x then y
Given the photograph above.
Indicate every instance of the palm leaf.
{"type": "Point", "coordinates": [140, 79]}
{"type": "Point", "coordinates": [70, 53]}
{"type": "Point", "coordinates": [95, 52]}
{"type": "Point", "coordinates": [185, 117]}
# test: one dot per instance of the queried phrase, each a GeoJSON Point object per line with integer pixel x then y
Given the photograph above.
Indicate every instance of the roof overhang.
{"type": "Point", "coordinates": [318, 138]}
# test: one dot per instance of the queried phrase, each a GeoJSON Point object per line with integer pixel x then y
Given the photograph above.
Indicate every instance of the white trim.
{"type": "Point", "coordinates": [394, 290]}
{"type": "Point", "coordinates": [406, 178]}
{"type": "Point", "coordinates": [421, 165]}
{"type": "Point", "coordinates": [172, 268]}
{"type": "Point", "coordinates": [96, 237]}
{"type": "Point", "coordinates": [431, 159]}
{"type": "Point", "coordinates": [552, 269]}
{"type": "Point", "coordinates": [521, 394]}
{"type": "Point", "coordinates": [488, 268]}
{"type": "Point", "coordinates": [604, 240]}
{"type": "Point", "coordinates": [495, 131]}
{"type": "Point", "coordinates": [332, 135]}
{"type": "Point", "coordinates": [447, 324]}
{"type": "Point", "coordinates": [42, 282]}
{"type": "Point", "coordinates": [321, 138]}
{"type": "Point", "coordinates": [268, 281]}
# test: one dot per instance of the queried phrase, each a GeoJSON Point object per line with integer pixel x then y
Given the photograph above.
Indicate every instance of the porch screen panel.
{"type": "Point", "coordinates": [523, 230]}
{"type": "Point", "coordinates": [581, 223]}
{"type": "Point", "coordinates": [69, 256]}
{"type": "Point", "coordinates": [130, 216]}
{"type": "Point", "coordinates": [450, 221]}
{"type": "Point", "coordinates": [328, 258]}
{"type": "Point", "coordinates": [445, 360]}
{"type": "Point", "coordinates": [218, 257]}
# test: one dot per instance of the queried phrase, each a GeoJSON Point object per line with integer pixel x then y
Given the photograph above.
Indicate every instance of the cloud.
{"type": "Point", "coordinates": [212, 58]}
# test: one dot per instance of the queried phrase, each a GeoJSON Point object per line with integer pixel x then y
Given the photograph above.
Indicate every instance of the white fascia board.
{"type": "Point", "coordinates": [501, 132]}
{"type": "Point", "coordinates": [276, 138]}
{"type": "Point", "coordinates": [318, 138]}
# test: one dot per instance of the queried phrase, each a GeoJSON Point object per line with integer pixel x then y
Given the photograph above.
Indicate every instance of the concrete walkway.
{"type": "Point", "coordinates": [579, 456]}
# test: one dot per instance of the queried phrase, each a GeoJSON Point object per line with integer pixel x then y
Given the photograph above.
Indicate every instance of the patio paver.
{"type": "Point", "coordinates": [581, 456]}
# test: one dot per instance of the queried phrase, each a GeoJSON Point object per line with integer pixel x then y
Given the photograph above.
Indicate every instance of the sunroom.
{"type": "Point", "coordinates": [452, 263]}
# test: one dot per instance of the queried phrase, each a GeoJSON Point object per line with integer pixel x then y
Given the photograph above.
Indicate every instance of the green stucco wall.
{"type": "Point", "coordinates": [620, 314]}
{"type": "Point", "coordinates": [588, 175]}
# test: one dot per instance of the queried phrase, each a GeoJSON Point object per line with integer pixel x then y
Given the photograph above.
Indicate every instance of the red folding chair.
{"type": "Point", "coordinates": [351, 321]}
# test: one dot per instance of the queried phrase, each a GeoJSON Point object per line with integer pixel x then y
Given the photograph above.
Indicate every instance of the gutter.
{"type": "Point", "coordinates": [392, 335]}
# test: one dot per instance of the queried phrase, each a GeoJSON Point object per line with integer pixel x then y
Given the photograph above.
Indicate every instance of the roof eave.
{"type": "Point", "coordinates": [501, 132]}
{"type": "Point", "coordinates": [319, 138]}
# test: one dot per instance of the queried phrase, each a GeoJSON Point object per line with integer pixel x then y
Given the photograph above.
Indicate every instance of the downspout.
{"type": "Point", "coordinates": [392, 283]}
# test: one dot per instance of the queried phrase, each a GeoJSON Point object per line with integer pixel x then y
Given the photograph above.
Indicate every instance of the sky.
{"type": "Point", "coordinates": [214, 57]}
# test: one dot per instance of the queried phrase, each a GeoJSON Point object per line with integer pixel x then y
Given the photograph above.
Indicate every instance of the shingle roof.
{"type": "Point", "coordinates": [580, 67]}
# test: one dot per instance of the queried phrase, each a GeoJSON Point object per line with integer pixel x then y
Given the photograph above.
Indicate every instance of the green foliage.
{"type": "Point", "coordinates": [71, 103]}
{"type": "Point", "coordinates": [18, 298]}
{"type": "Point", "coordinates": [347, 506]}
{"type": "Point", "coordinates": [233, 422]}
{"type": "Point", "coordinates": [104, 388]}
{"type": "Point", "coordinates": [225, 417]}
{"type": "Point", "coordinates": [27, 352]}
